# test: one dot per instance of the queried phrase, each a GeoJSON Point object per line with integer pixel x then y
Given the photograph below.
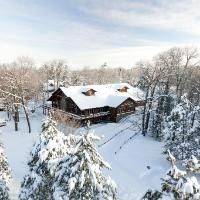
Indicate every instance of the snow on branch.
{"type": "Point", "coordinates": [10, 94]}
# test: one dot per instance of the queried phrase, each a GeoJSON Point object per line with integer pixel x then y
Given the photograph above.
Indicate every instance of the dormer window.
{"type": "Point", "coordinates": [123, 89]}
{"type": "Point", "coordinates": [89, 92]}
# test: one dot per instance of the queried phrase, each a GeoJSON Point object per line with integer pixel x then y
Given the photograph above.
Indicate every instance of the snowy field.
{"type": "Point", "coordinates": [129, 164]}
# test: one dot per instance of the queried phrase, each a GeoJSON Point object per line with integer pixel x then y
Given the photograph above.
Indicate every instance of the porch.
{"type": "Point", "coordinates": [65, 117]}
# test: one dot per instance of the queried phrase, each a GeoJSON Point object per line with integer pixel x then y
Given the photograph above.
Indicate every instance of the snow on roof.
{"type": "Point", "coordinates": [105, 95]}
{"type": "Point", "coordinates": [135, 92]}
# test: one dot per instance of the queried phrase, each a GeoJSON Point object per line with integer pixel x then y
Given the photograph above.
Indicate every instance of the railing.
{"type": "Point", "coordinates": [46, 109]}
{"type": "Point", "coordinates": [64, 113]}
{"type": "Point", "coordinates": [78, 117]}
{"type": "Point", "coordinates": [94, 115]}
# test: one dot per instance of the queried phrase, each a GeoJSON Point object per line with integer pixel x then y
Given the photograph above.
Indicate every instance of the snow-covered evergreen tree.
{"type": "Point", "coordinates": [179, 184]}
{"type": "Point", "coordinates": [180, 136]}
{"type": "Point", "coordinates": [51, 146]}
{"type": "Point", "coordinates": [194, 133]}
{"type": "Point", "coordinates": [79, 175]}
{"type": "Point", "coordinates": [157, 126]}
{"type": "Point", "coordinates": [193, 165]}
{"type": "Point", "coordinates": [152, 195]}
{"type": "Point", "coordinates": [4, 175]}
{"type": "Point", "coordinates": [163, 107]}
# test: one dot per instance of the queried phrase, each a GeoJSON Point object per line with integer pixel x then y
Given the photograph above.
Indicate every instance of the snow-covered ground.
{"type": "Point", "coordinates": [129, 164]}
{"type": "Point", "coordinates": [17, 148]}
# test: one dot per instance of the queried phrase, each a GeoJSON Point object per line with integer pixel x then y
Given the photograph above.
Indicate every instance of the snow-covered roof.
{"type": "Point", "coordinates": [105, 95]}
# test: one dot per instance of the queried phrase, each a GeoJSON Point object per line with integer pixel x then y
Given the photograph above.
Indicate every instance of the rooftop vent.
{"type": "Point", "coordinates": [123, 89]}
{"type": "Point", "coordinates": [89, 92]}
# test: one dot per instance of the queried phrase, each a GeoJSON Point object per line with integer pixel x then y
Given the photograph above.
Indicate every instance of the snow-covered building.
{"type": "Point", "coordinates": [96, 103]}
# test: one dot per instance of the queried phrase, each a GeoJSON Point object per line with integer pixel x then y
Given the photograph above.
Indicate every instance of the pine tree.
{"type": "Point", "coordinates": [4, 175]}
{"type": "Point", "coordinates": [157, 126]}
{"type": "Point", "coordinates": [179, 184]}
{"type": "Point", "coordinates": [180, 137]}
{"type": "Point", "coordinates": [193, 165]}
{"type": "Point", "coordinates": [162, 109]}
{"type": "Point", "coordinates": [152, 195]}
{"type": "Point", "coordinates": [163, 105]}
{"type": "Point", "coordinates": [51, 146]}
{"type": "Point", "coordinates": [79, 175]}
{"type": "Point", "coordinates": [194, 133]}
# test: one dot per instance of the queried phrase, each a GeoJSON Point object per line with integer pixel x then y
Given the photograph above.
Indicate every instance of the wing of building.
{"type": "Point", "coordinates": [96, 103]}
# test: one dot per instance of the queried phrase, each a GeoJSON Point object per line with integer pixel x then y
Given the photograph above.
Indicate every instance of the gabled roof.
{"type": "Point", "coordinates": [105, 95]}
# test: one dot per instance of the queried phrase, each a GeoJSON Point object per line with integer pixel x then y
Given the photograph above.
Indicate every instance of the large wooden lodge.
{"type": "Point", "coordinates": [96, 103]}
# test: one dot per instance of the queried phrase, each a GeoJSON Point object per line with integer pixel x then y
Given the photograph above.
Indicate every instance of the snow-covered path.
{"type": "Point", "coordinates": [129, 165]}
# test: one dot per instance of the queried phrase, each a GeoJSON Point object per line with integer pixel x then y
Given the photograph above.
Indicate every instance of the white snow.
{"type": "Point", "coordinates": [171, 157]}
{"type": "Point", "coordinates": [2, 122]}
{"type": "Point", "coordinates": [193, 164]}
{"type": "Point", "coordinates": [188, 187]}
{"type": "Point", "coordinates": [129, 165]}
{"type": "Point", "coordinates": [176, 173]}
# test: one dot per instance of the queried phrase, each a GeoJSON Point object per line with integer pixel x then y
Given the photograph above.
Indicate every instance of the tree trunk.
{"type": "Point", "coordinates": [193, 119]}
{"type": "Point", "coordinates": [8, 113]}
{"type": "Point", "coordinates": [144, 112]}
{"type": "Point", "coordinates": [150, 104]}
{"type": "Point", "coordinates": [16, 116]}
{"type": "Point", "coordinates": [26, 114]}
